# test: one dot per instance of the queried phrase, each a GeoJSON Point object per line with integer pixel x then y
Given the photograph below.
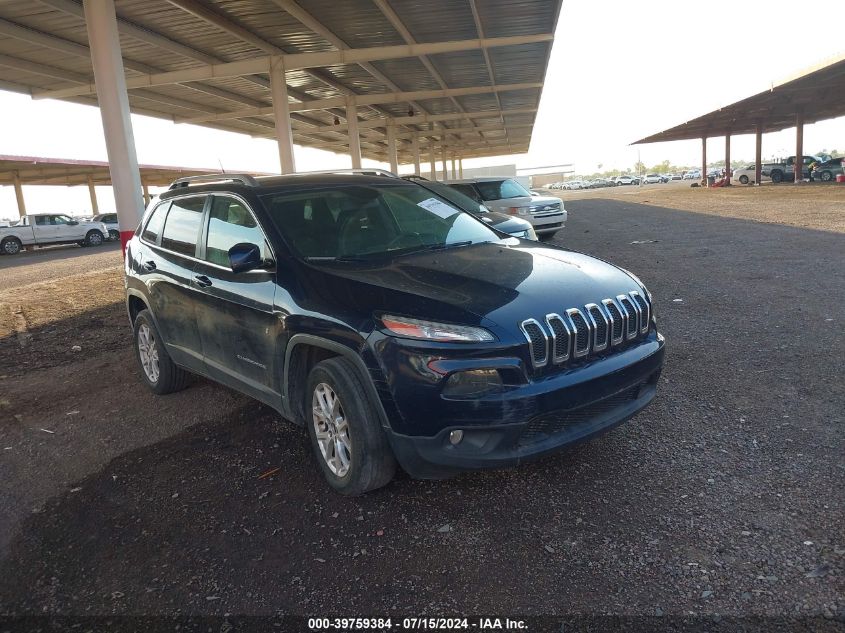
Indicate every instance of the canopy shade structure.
{"type": "Point", "coordinates": [458, 73]}
{"type": "Point", "coordinates": [34, 170]}
{"type": "Point", "coordinates": [812, 96]}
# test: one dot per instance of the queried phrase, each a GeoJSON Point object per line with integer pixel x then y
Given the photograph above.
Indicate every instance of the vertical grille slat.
{"type": "Point", "coordinates": [561, 336]}
{"type": "Point", "coordinates": [537, 342]}
{"type": "Point", "coordinates": [578, 332]}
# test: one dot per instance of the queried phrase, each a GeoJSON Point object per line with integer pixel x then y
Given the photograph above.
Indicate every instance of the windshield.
{"type": "Point", "coordinates": [457, 198]}
{"type": "Point", "coordinates": [369, 221]}
{"type": "Point", "coordinates": [501, 189]}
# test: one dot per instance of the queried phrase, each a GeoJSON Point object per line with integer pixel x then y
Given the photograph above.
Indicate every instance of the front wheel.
{"type": "Point", "coordinates": [114, 235]}
{"type": "Point", "coordinates": [546, 237]}
{"type": "Point", "coordinates": [11, 246]}
{"type": "Point", "coordinates": [344, 428]}
{"type": "Point", "coordinates": [777, 176]}
{"type": "Point", "coordinates": [93, 238]}
{"type": "Point", "coordinates": [826, 176]}
{"type": "Point", "coordinates": [743, 179]}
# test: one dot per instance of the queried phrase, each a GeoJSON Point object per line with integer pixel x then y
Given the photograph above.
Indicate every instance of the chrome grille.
{"type": "Point", "coordinates": [578, 332]}
{"type": "Point", "coordinates": [537, 342]}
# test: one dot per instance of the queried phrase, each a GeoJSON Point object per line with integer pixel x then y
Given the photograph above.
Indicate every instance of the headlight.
{"type": "Point", "coordinates": [432, 331]}
{"type": "Point", "coordinates": [519, 210]}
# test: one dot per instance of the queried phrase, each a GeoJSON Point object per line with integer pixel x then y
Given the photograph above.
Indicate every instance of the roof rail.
{"type": "Point", "coordinates": [415, 177]}
{"type": "Point", "coordinates": [244, 179]}
{"type": "Point", "coordinates": [361, 172]}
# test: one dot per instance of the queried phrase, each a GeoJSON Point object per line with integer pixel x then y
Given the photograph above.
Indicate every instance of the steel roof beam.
{"type": "Point", "coordinates": [361, 100]}
{"type": "Point", "coordinates": [300, 61]}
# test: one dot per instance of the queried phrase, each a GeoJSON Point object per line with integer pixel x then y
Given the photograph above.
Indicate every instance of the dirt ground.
{"type": "Point", "coordinates": [809, 205]}
{"type": "Point", "coordinates": [724, 498]}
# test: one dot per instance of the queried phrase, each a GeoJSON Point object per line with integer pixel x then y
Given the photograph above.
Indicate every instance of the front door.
{"type": "Point", "coordinates": [67, 229]}
{"type": "Point", "coordinates": [239, 328]}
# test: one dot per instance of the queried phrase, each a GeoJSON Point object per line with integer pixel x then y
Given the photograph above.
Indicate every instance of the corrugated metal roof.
{"type": "Point", "coordinates": [818, 94]}
{"type": "Point", "coordinates": [43, 48]}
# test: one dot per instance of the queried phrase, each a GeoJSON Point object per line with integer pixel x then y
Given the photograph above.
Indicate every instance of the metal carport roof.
{"type": "Point", "coordinates": [461, 74]}
{"type": "Point", "coordinates": [814, 95]}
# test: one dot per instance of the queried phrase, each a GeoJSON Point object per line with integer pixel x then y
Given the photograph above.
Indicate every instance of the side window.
{"type": "Point", "coordinates": [230, 223]}
{"type": "Point", "coordinates": [182, 227]}
{"type": "Point", "coordinates": [154, 224]}
{"type": "Point", "coordinates": [42, 220]}
{"type": "Point", "coordinates": [61, 219]}
{"type": "Point", "coordinates": [468, 190]}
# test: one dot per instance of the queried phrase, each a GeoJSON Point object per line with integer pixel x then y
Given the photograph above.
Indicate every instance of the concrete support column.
{"type": "Point", "coordinates": [443, 158]}
{"type": "Point", "coordinates": [281, 114]}
{"type": "Point", "coordinates": [799, 147]}
{"type": "Point", "coordinates": [107, 62]}
{"type": "Point", "coordinates": [92, 193]}
{"type": "Point", "coordinates": [432, 160]}
{"type": "Point", "coordinates": [704, 160]}
{"type": "Point", "coordinates": [354, 138]}
{"type": "Point", "coordinates": [460, 168]}
{"type": "Point", "coordinates": [454, 168]}
{"type": "Point", "coordinates": [146, 189]}
{"type": "Point", "coordinates": [415, 148]}
{"type": "Point", "coordinates": [19, 195]}
{"type": "Point", "coordinates": [758, 154]}
{"type": "Point", "coordinates": [727, 159]}
{"type": "Point", "coordinates": [391, 149]}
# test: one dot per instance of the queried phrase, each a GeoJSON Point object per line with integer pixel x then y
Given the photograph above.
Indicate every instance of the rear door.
{"type": "Point", "coordinates": [171, 239]}
{"type": "Point", "coordinates": [240, 331]}
{"type": "Point", "coordinates": [43, 229]}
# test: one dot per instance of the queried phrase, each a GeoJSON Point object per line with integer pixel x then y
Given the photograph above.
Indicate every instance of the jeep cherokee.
{"type": "Point", "coordinates": [393, 326]}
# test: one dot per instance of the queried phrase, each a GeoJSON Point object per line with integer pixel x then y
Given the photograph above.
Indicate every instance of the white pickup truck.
{"type": "Point", "coordinates": [50, 228]}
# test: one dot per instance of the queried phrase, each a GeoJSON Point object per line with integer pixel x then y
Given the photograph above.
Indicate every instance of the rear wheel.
{"type": "Point", "coordinates": [114, 235]}
{"type": "Point", "coordinates": [11, 246]}
{"type": "Point", "coordinates": [826, 176]}
{"type": "Point", "coordinates": [93, 238]}
{"type": "Point", "coordinates": [777, 176]}
{"type": "Point", "coordinates": [344, 428]}
{"type": "Point", "coordinates": [160, 373]}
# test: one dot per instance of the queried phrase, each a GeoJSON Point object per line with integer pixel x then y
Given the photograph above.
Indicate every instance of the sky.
{"type": "Point", "coordinates": [617, 73]}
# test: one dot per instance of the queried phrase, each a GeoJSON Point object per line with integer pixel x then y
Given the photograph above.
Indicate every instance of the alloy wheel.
{"type": "Point", "coordinates": [331, 429]}
{"type": "Point", "coordinates": [148, 352]}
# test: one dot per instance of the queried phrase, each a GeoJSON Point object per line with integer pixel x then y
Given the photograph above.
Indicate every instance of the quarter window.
{"type": "Point", "coordinates": [182, 227]}
{"type": "Point", "coordinates": [154, 224]}
{"type": "Point", "coordinates": [230, 223]}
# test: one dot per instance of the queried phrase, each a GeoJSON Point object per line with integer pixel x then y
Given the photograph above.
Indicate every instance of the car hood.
{"type": "Point", "coordinates": [497, 284]}
{"type": "Point", "coordinates": [505, 223]}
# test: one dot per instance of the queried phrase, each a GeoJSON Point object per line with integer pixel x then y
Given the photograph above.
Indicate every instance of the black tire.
{"type": "Point", "coordinates": [171, 377]}
{"type": "Point", "coordinates": [777, 176]}
{"type": "Point", "coordinates": [94, 238]}
{"type": "Point", "coordinates": [371, 463]}
{"type": "Point", "coordinates": [114, 235]}
{"type": "Point", "coordinates": [743, 179]}
{"type": "Point", "coordinates": [546, 237]}
{"type": "Point", "coordinates": [11, 246]}
{"type": "Point", "coordinates": [826, 176]}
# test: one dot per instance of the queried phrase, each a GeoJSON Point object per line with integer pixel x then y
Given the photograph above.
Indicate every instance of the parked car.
{"type": "Point", "coordinates": [828, 170]}
{"type": "Point", "coordinates": [110, 220]}
{"type": "Point", "coordinates": [505, 195]}
{"type": "Point", "coordinates": [746, 175]}
{"type": "Point", "coordinates": [598, 183]}
{"type": "Point", "coordinates": [509, 224]}
{"type": "Point", "coordinates": [391, 325]}
{"type": "Point", "coordinates": [42, 229]}
{"type": "Point", "coordinates": [652, 179]}
{"type": "Point", "coordinates": [694, 174]}
{"type": "Point", "coordinates": [785, 169]}
{"type": "Point", "coordinates": [627, 180]}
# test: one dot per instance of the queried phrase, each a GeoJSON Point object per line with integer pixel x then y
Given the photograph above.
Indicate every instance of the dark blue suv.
{"type": "Point", "coordinates": [393, 326]}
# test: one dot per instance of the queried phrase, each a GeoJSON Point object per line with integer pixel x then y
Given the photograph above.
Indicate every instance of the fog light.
{"type": "Point", "coordinates": [473, 382]}
{"type": "Point", "coordinates": [456, 436]}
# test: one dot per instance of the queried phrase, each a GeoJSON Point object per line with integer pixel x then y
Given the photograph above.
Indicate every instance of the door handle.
{"type": "Point", "coordinates": [202, 281]}
{"type": "Point", "coordinates": [149, 266]}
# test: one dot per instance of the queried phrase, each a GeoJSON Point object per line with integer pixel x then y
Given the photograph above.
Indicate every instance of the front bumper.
{"type": "Point", "coordinates": [538, 419]}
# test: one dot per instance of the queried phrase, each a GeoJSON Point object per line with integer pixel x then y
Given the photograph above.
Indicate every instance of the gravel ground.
{"type": "Point", "coordinates": [724, 497]}
{"type": "Point", "coordinates": [29, 267]}
{"type": "Point", "coordinates": [809, 205]}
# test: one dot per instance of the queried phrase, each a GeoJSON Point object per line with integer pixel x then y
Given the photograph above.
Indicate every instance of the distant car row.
{"type": "Point", "coordinates": [625, 179]}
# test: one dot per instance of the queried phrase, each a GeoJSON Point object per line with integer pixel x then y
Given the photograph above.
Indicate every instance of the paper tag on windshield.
{"type": "Point", "coordinates": [437, 207]}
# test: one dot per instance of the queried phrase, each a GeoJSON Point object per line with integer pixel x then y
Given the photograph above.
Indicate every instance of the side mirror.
{"type": "Point", "coordinates": [244, 257]}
